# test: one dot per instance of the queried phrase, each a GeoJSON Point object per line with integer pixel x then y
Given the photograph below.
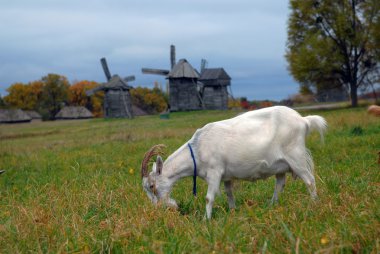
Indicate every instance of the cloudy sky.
{"type": "Point", "coordinates": [68, 37]}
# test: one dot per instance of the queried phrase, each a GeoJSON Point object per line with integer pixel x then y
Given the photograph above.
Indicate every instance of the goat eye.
{"type": "Point", "coordinates": [152, 186]}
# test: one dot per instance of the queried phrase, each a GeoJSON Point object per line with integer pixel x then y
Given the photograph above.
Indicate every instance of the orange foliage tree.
{"type": "Point", "coordinates": [24, 96]}
{"type": "Point", "coordinates": [78, 97]}
{"type": "Point", "coordinates": [150, 100]}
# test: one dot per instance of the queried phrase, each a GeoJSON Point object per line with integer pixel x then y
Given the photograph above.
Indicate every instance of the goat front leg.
{"type": "Point", "coordinates": [212, 190]}
{"type": "Point", "coordinates": [280, 184]}
{"type": "Point", "coordinates": [231, 200]}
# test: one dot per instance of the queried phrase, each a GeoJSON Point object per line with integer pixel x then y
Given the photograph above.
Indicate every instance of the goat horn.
{"type": "Point", "coordinates": [155, 150]}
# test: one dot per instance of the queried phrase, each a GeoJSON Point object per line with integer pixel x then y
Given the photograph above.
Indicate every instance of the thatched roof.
{"type": "Point", "coordinates": [115, 83]}
{"type": "Point", "coordinates": [73, 112]}
{"type": "Point", "coordinates": [13, 116]}
{"type": "Point", "coordinates": [214, 73]}
{"type": "Point", "coordinates": [33, 114]}
{"type": "Point", "coordinates": [183, 70]}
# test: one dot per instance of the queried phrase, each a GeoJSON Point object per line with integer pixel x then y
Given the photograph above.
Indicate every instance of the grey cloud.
{"type": "Point", "coordinates": [247, 38]}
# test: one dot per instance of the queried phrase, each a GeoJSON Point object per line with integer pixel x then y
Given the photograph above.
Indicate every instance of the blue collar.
{"type": "Point", "coordinates": [195, 171]}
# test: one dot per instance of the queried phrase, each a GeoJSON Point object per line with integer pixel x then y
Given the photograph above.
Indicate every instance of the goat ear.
{"type": "Point", "coordinates": [154, 168]}
{"type": "Point", "coordinates": [160, 164]}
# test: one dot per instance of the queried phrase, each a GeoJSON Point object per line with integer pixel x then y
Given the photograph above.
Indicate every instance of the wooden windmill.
{"type": "Point", "coordinates": [183, 86]}
{"type": "Point", "coordinates": [214, 88]}
{"type": "Point", "coordinates": [117, 99]}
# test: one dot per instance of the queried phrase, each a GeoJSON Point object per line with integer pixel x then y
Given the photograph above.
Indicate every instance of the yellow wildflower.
{"type": "Point", "coordinates": [324, 240]}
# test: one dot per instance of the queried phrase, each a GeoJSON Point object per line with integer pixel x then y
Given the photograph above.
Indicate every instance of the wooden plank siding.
{"type": "Point", "coordinates": [215, 82]}
{"type": "Point", "coordinates": [184, 94]}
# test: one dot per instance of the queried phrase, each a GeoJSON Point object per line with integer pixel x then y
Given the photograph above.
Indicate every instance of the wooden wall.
{"type": "Point", "coordinates": [183, 94]}
{"type": "Point", "coordinates": [215, 97]}
{"type": "Point", "coordinates": [118, 104]}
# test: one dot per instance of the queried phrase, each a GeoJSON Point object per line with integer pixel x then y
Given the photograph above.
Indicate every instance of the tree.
{"type": "Point", "coordinates": [2, 102]}
{"type": "Point", "coordinates": [54, 95]}
{"type": "Point", "coordinates": [24, 96]}
{"type": "Point", "coordinates": [334, 43]}
{"type": "Point", "coordinates": [35, 89]}
{"type": "Point", "coordinates": [17, 96]}
{"type": "Point", "coordinates": [78, 97]}
{"type": "Point", "coordinates": [150, 100]}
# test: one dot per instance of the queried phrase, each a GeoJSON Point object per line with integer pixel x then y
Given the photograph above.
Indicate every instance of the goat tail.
{"type": "Point", "coordinates": [316, 123]}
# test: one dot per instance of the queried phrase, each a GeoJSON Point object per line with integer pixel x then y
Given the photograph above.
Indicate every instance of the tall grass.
{"type": "Point", "coordinates": [74, 186]}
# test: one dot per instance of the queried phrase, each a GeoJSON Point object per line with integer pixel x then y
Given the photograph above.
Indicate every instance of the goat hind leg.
{"type": "Point", "coordinates": [310, 183]}
{"type": "Point", "coordinates": [280, 184]}
{"type": "Point", "coordinates": [301, 164]}
{"type": "Point", "coordinates": [309, 180]}
{"type": "Point", "coordinates": [231, 200]}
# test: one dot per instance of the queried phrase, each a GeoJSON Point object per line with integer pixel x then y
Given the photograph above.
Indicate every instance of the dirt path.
{"type": "Point", "coordinates": [322, 106]}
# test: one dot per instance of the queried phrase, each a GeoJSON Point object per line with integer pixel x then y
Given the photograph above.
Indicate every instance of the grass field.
{"type": "Point", "coordinates": [75, 187]}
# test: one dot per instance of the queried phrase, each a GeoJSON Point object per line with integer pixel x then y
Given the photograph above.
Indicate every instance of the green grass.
{"type": "Point", "coordinates": [74, 186]}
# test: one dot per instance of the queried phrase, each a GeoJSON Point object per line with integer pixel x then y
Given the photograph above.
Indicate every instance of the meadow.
{"type": "Point", "coordinates": [75, 187]}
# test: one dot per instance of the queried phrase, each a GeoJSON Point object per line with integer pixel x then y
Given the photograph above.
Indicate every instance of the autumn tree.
{"type": "Point", "coordinates": [24, 96]}
{"type": "Point", "coordinates": [334, 43]}
{"type": "Point", "coordinates": [17, 96]}
{"type": "Point", "coordinates": [54, 95]}
{"type": "Point", "coordinates": [150, 100]}
{"type": "Point", "coordinates": [78, 97]}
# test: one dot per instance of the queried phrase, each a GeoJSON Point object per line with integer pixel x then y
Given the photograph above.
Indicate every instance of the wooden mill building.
{"type": "Point", "coordinates": [183, 87]}
{"type": "Point", "coordinates": [214, 89]}
{"type": "Point", "coordinates": [117, 99]}
{"type": "Point", "coordinates": [189, 90]}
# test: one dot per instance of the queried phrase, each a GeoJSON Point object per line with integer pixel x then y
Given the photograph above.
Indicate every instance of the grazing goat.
{"type": "Point", "coordinates": [254, 145]}
{"type": "Point", "coordinates": [374, 110]}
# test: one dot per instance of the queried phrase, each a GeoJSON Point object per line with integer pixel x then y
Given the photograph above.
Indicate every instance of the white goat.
{"type": "Point", "coordinates": [251, 146]}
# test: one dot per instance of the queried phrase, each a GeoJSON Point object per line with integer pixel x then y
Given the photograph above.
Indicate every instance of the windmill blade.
{"type": "Point", "coordinates": [172, 56]}
{"type": "Point", "coordinates": [203, 65]}
{"type": "Point", "coordinates": [129, 78]}
{"type": "Point", "coordinates": [93, 91]}
{"type": "Point", "coordinates": [154, 71]}
{"type": "Point", "coordinates": [105, 68]}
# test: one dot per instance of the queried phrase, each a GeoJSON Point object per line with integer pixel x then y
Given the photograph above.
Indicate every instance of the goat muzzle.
{"type": "Point", "coordinates": [153, 151]}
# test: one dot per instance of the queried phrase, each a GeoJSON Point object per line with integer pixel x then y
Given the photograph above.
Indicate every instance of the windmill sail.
{"type": "Point", "coordinates": [203, 65]}
{"type": "Point", "coordinates": [105, 68]}
{"type": "Point", "coordinates": [172, 56]}
{"type": "Point", "coordinates": [93, 91]}
{"type": "Point", "coordinates": [155, 71]}
{"type": "Point", "coordinates": [129, 78]}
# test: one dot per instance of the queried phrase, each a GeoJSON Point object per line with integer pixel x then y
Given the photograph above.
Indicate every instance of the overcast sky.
{"type": "Point", "coordinates": [245, 37]}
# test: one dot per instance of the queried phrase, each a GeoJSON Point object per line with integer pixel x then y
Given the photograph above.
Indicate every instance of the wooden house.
{"type": "Point", "coordinates": [34, 115]}
{"type": "Point", "coordinates": [214, 88]}
{"type": "Point", "coordinates": [117, 99]}
{"type": "Point", "coordinates": [14, 116]}
{"type": "Point", "coordinates": [73, 112]}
